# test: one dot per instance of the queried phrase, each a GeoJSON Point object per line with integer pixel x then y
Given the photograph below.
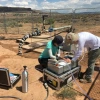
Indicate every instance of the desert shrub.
{"type": "Point", "coordinates": [67, 93]}
{"type": "Point", "coordinates": [12, 24]}
{"type": "Point", "coordinates": [50, 21]}
{"type": "Point", "coordinates": [20, 25]}
{"type": "Point", "coordinates": [26, 20]}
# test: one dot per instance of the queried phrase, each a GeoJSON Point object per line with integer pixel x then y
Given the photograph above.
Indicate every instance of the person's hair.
{"type": "Point", "coordinates": [58, 39]}
{"type": "Point", "coordinates": [71, 37]}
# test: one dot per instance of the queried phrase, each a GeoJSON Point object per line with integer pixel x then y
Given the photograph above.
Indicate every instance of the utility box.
{"type": "Point", "coordinates": [61, 66]}
{"type": "Point", "coordinates": [58, 67]}
{"type": "Point", "coordinates": [57, 81]}
{"type": "Point", "coordinates": [59, 73]}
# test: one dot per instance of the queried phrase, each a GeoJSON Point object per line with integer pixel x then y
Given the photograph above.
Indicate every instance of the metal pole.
{"type": "Point", "coordinates": [50, 24]}
{"type": "Point", "coordinates": [5, 27]}
{"type": "Point", "coordinates": [17, 22]}
{"type": "Point", "coordinates": [73, 17]}
{"type": "Point", "coordinates": [32, 21]}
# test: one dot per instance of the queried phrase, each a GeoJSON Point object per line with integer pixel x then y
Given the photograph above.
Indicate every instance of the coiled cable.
{"type": "Point", "coordinates": [10, 97]}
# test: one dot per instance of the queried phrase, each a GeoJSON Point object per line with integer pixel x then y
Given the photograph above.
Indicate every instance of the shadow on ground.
{"type": "Point", "coordinates": [97, 68]}
{"type": "Point", "coordinates": [39, 68]}
{"type": "Point", "coordinates": [19, 88]}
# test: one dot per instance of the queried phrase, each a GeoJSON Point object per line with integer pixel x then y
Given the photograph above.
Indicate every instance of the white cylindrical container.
{"type": "Point", "coordinates": [25, 80]}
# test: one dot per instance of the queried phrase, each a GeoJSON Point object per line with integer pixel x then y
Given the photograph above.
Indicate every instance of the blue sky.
{"type": "Point", "coordinates": [51, 4]}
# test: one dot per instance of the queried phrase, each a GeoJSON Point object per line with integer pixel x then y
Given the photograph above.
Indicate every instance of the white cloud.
{"type": "Point", "coordinates": [25, 3]}
{"type": "Point", "coordinates": [21, 2]}
{"type": "Point", "coordinates": [45, 4]}
{"type": "Point", "coordinates": [18, 3]}
{"type": "Point", "coordinates": [54, 5]}
{"type": "Point", "coordinates": [69, 4]}
{"type": "Point", "coordinates": [3, 0]}
{"type": "Point", "coordinates": [74, 1]}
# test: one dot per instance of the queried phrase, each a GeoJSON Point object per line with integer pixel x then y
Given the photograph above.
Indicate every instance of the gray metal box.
{"type": "Point", "coordinates": [55, 69]}
{"type": "Point", "coordinates": [59, 67]}
{"type": "Point", "coordinates": [67, 67]}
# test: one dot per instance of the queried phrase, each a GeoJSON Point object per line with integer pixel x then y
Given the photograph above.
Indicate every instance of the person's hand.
{"type": "Point", "coordinates": [58, 55]}
{"type": "Point", "coordinates": [67, 60]}
{"type": "Point", "coordinates": [55, 60]}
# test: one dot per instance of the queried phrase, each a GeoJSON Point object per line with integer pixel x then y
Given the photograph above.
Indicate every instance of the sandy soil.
{"type": "Point", "coordinates": [36, 91]}
{"type": "Point", "coordinates": [15, 63]}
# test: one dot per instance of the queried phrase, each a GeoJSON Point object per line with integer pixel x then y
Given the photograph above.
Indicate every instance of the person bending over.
{"type": "Point", "coordinates": [92, 43]}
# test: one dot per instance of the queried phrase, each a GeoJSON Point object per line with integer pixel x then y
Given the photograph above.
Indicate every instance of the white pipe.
{"type": "Point", "coordinates": [61, 27]}
{"type": "Point", "coordinates": [54, 29]}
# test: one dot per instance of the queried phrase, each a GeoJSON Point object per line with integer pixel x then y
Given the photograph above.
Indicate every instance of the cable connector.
{"type": "Point", "coordinates": [45, 85]}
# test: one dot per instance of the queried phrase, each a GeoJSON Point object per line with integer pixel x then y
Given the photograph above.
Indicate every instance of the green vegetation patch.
{"type": "Point", "coordinates": [67, 93]}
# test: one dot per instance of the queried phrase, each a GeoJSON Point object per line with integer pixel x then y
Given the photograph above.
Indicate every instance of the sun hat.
{"type": "Point", "coordinates": [71, 37]}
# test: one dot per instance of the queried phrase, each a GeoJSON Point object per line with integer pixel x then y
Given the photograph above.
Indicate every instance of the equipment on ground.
{"type": "Point", "coordinates": [25, 80]}
{"type": "Point", "coordinates": [35, 33]}
{"type": "Point", "coordinates": [7, 79]}
{"type": "Point", "coordinates": [58, 67]}
{"type": "Point", "coordinates": [59, 73]}
{"type": "Point", "coordinates": [56, 81]}
{"type": "Point", "coordinates": [43, 18]}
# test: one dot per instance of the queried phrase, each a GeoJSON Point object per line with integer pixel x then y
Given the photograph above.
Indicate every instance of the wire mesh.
{"type": "Point", "coordinates": [86, 19]}
{"type": "Point", "coordinates": [26, 22]}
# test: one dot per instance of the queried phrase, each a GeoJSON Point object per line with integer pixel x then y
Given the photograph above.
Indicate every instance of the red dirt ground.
{"type": "Point", "coordinates": [36, 91]}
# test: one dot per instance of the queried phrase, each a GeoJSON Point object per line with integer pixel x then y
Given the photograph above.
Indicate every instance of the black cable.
{"type": "Point", "coordinates": [46, 87]}
{"type": "Point", "coordinates": [10, 97]}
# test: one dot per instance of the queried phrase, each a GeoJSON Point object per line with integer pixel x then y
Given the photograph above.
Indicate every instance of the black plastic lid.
{"type": "Point", "coordinates": [25, 67]}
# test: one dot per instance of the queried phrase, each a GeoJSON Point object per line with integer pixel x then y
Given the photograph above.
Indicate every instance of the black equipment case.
{"type": "Point", "coordinates": [8, 80]}
{"type": "Point", "coordinates": [57, 81]}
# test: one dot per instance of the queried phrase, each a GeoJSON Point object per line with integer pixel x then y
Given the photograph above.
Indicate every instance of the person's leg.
{"type": "Point", "coordinates": [43, 62]}
{"type": "Point", "coordinates": [92, 56]}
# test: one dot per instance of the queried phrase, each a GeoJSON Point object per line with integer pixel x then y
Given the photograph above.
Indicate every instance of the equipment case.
{"type": "Point", "coordinates": [7, 81]}
{"type": "Point", "coordinates": [56, 81]}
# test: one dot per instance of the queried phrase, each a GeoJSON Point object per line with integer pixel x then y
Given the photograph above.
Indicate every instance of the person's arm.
{"type": "Point", "coordinates": [58, 53]}
{"type": "Point", "coordinates": [79, 50]}
{"type": "Point", "coordinates": [50, 54]}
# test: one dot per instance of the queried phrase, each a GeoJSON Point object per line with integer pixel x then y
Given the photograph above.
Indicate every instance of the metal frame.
{"type": "Point", "coordinates": [59, 78]}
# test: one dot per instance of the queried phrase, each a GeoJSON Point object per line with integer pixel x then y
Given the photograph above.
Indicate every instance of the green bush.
{"type": "Point", "coordinates": [67, 92]}
{"type": "Point", "coordinates": [12, 24]}
{"type": "Point", "coordinates": [50, 21]}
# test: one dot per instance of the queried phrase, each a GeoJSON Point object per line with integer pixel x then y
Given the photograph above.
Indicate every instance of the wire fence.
{"type": "Point", "coordinates": [87, 19]}
{"type": "Point", "coordinates": [25, 22]}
